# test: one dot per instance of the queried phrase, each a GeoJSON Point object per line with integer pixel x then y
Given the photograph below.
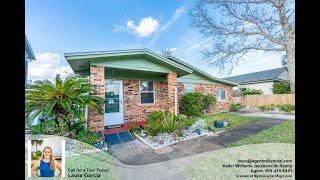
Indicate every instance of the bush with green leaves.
{"type": "Point", "coordinates": [193, 104]}
{"type": "Point", "coordinates": [209, 100]}
{"type": "Point", "coordinates": [270, 107]}
{"type": "Point", "coordinates": [281, 88]}
{"type": "Point", "coordinates": [164, 123]}
{"type": "Point", "coordinates": [88, 136]}
{"type": "Point", "coordinates": [134, 129]}
{"type": "Point", "coordinates": [155, 116]}
{"type": "Point", "coordinates": [235, 107]}
{"type": "Point", "coordinates": [250, 91]}
{"type": "Point", "coordinates": [286, 107]}
{"type": "Point", "coordinates": [47, 127]}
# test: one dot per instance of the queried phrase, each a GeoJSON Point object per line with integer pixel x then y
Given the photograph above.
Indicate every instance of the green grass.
{"type": "Point", "coordinates": [233, 119]}
{"type": "Point", "coordinates": [93, 161]}
{"type": "Point", "coordinates": [281, 133]}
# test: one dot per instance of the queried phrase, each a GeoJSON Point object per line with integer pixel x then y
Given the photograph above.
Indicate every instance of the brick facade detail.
{"type": "Point", "coordinates": [95, 119]}
{"type": "Point", "coordinates": [172, 83]}
{"type": "Point", "coordinates": [210, 88]}
{"type": "Point", "coordinates": [134, 111]}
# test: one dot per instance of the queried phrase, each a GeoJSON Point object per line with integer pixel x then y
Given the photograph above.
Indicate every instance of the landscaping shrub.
{"type": "Point", "coordinates": [249, 91]}
{"type": "Point", "coordinates": [270, 107]}
{"type": "Point", "coordinates": [181, 117]}
{"type": "Point", "coordinates": [209, 100]}
{"type": "Point", "coordinates": [155, 116]}
{"type": "Point", "coordinates": [134, 129]}
{"type": "Point", "coordinates": [281, 88]}
{"type": "Point", "coordinates": [188, 122]}
{"type": "Point", "coordinates": [47, 127]}
{"type": "Point", "coordinates": [88, 136]}
{"type": "Point", "coordinates": [236, 107]}
{"type": "Point", "coordinates": [166, 123]}
{"type": "Point", "coordinates": [192, 104]}
{"type": "Point", "coordinates": [286, 107]}
{"type": "Point", "coordinates": [78, 127]}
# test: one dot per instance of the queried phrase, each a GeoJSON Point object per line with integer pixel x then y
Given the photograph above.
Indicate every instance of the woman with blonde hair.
{"type": "Point", "coordinates": [47, 164]}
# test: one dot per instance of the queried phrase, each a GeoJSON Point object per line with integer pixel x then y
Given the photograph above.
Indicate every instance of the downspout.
{"type": "Point", "coordinates": [176, 100]}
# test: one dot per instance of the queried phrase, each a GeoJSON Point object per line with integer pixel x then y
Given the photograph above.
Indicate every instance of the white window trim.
{"type": "Point", "coordinates": [154, 93]}
{"type": "Point", "coordinates": [184, 85]}
{"type": "Point", "coordinates": [225, 93]}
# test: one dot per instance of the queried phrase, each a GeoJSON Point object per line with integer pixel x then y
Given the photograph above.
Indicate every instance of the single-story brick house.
{"type": "Point", "coordinates": [139, 81]}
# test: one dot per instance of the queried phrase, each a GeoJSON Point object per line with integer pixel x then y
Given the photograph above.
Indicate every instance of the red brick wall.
{"type": "Point", "coordinates": [210, 88]}
{"type": "Point", "coordinates": [133, 109]}
{"type": "Point", "coordinates": [172, 83]}
{"type": "Point", "coordinates": [95, 120]}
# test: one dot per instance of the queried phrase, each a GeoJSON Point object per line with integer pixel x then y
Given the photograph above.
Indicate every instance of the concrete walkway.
{"type": "Point", "coordinates": [172, 169]}
{"type": "Point", "coordinates": [137, 153]}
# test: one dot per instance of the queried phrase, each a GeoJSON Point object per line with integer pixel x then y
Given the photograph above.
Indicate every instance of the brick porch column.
{"type": "Point", "coordinates": [95, 119]}
{"type": "Point", "coordinates": [172, 83]}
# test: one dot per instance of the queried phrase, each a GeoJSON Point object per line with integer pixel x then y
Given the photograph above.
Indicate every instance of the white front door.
{"type": "Point", "coordinates": [113, 108]}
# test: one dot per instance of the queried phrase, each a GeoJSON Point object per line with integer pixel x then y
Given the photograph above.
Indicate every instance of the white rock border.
{"type": "Point", "coordinates": [169, 144]}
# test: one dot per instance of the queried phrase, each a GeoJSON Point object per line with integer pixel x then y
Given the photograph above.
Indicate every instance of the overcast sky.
{"type": "Point", "coordinates": [54, 27]}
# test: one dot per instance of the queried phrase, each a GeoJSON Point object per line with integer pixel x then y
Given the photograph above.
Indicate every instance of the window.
{"type": "Point", "coordinates": [221, 95]}
{"type": "Point", "coordinates": [146, 92]}
{"type": "Point", "coordinates": [188, 88]}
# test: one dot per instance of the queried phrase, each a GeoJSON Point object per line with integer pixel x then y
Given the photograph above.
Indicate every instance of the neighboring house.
{"type": "Point", "coordinates": [29, 56]}
{"type": "Point", "coordinates": [137, 82]}
{"type": "Point", "coordinates": [262, 80]}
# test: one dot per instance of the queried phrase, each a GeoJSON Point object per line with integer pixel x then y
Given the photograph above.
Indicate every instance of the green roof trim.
{"type": "Point", "coordinates": [85, 55]}
{"type": "Point", "coordinates": [201, 72]}
{"type": "Point", "coordinates": [170, 60]}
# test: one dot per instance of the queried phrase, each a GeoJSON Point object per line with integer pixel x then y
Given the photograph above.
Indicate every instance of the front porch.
{"type": "Point", "coordinates": [130, 95]}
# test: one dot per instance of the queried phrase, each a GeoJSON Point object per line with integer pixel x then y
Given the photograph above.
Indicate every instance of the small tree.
{"type": "Point", "coordinates": [281, 88]}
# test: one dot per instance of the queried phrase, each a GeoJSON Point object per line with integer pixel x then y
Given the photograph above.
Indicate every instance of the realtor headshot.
{"type": "Point", "coordinates": [46, 158]}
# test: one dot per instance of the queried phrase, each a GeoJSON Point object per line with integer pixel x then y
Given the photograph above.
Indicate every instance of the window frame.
{"type": "Point", "coordinates": [184, 85]}
{"type": "Point", "coordinates": [225, 94]}
{"type": "Point", "coordinates": [153, 91]}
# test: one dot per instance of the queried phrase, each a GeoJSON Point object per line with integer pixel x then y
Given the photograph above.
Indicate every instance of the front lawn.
{"type": "Point", "coordinates": [233, 119]}
{"type": "Point", "coordinates": [281, 133]}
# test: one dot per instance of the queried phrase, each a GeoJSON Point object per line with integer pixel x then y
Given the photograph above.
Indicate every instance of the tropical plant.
{"type": "Point", "coordinates": [64, 101]}
{"type": "Point", "coordinates": [164, 123]}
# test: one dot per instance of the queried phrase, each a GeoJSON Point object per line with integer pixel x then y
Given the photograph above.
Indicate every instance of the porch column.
{"type": "Point", "coordinates": [95, 119]}
{"type": "Point", "coordinates": [172, 84]}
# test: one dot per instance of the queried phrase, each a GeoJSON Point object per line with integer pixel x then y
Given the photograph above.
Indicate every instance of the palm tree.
{"type": "Point", "coordinates": [37, 142]}
{"type": "Point", "coordinates": [62, 100]}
